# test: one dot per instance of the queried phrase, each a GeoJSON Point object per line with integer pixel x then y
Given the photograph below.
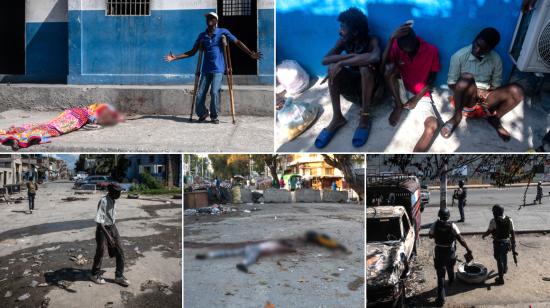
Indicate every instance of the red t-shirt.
{"type": "Point", "coordinates": [415, 72]}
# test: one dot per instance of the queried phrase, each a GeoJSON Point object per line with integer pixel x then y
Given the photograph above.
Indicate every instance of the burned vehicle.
{"type": "Point", "coordinates": [390, 245]}
{"type": "Point", "coordinates": [393, 227]}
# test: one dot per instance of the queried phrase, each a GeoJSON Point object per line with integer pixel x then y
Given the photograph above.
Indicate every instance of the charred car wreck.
{"type": "Point", "coordinates": [393, 223]}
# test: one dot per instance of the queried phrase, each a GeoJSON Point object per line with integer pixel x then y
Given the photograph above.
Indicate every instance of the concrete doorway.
{"type": "Point", "coordinates": [240, 17]}
{"type": "Point", "coordinates": [12, 34]}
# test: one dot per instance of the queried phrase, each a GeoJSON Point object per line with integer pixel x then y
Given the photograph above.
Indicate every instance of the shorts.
{"type": "Point", "coordinates": [424, 108]}
{"type": "Point", "coordinates": [478, 110]}
{"type": "Point", "coordinates": [351, 87]}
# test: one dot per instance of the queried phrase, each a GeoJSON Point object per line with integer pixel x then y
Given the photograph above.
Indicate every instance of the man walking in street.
{"type": "Point", "coordinates": [213, 65]}
{"type": "Point", "coordinates": [32, 187]}
{"type": "Point", "coordinates": [445, 234]}
{"type": "Point", "coordinates": [501, 228]}
{"type": "Point", "coordinates": [539, 193]}
{"type": "Point", "coordinates": [460, 196]}
{"type": "Point", "coordinates": [107, 235]}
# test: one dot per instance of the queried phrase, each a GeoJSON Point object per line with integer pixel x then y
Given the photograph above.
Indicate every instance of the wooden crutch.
{"type": "Point", "coordinates": [229, 74]}
{"type": "Point", "coordinates": [196, 86]}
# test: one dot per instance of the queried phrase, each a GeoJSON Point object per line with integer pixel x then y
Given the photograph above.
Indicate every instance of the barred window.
{"type": "Point", "coordinates": [237, 7]}
{"type": "Point", "coordinates": [128, 7]}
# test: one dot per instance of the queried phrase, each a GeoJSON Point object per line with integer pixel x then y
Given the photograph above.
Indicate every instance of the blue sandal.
{"type": "Point", "coordinates": [325, 136]}
{"type": "Point", "coordinates": [361, 135]}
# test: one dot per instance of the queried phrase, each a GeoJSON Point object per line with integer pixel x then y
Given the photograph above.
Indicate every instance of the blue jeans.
{"type": "Point", "coordinates": [214, 82]}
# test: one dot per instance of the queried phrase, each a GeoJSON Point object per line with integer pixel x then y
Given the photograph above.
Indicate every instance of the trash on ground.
{"type": "Point", "coordinates": [23, 297]}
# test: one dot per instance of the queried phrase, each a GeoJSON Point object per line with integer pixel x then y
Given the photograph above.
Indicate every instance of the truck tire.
{"type": "Point", "coordinates": [472, 273]}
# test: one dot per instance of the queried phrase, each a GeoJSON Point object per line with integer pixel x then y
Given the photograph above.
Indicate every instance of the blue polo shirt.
{"type": "Point", "coordinates": [213, 61]}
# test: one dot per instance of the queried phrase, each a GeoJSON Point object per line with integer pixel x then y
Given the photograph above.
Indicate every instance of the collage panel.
{"type": "Point", "coordinates": [90, 230]}
{"type": "Point", "coordinates": [268, 230]}
{"type": "Point", "coordinates": [412, 76]}
{"type": "Point", "coordinates": [457, 230]}
{"type": "Point", "coordinates": [191, 76]}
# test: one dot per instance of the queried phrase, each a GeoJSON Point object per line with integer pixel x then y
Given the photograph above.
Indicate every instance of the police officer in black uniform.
{"type": "Point", "coordinates": [446, 234]}
{"type": "Point", "coordinates": [501, 228]}
{"type": "Point", "coordinates": [460, 196]}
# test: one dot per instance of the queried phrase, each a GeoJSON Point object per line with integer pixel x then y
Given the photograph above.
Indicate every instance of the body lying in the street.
{"type": "Point", "coordinates": [252, 252]}
{"type": "Point", "coordinates": [70, 120]}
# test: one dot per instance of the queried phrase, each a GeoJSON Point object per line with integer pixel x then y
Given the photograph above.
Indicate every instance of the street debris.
{"type": "Point", "coordinates": [8, 294]}
{"type": "Point", "coordinates": [109, 305]}
{"type": "Point", "coordinates": [23, 297]}
{"type": "Point", "coordinates": [126, 296]}
{"type": "Point", "coordinates": [71, 199]}
{"type": "Point", "coordinates": [45, 303]}
{"type": "Point", "coordinates": [133, 196]}
{"type": "Point", "coordinates": [79, 259]}
{"type": "Point", "coordinates": [33, 284]}
{"type": "Point", "coordinates": [155, 285]}
{"type": "Point", "coordinates": [49, 249]}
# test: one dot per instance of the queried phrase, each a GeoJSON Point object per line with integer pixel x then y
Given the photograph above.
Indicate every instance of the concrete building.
{"type": "Point", "coordinates": [123, 42]}
{"type": "Point", "coordinates": [313, 169]}
{"type": "Point", "coordinates": [154, 164]}
{"type": "Point", "coordinates": [11, 170]}
{"type": "Point", "coordinates": [306, 30]}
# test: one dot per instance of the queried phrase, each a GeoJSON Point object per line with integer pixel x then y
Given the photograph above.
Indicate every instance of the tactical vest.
{"type": "Point", "coordinates": [443, 233]}
{"type": "Point", "coordinates": [503, 228]}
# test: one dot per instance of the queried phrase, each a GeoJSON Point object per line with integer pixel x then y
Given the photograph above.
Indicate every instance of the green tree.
{"type": "Point", "coordinates": [346, 163]}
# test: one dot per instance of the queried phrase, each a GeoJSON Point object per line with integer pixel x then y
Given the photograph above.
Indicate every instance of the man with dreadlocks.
{"type": "Point", "coordinates": [352, 73]}
{"type": "Point", "coordinates": [475, 76]}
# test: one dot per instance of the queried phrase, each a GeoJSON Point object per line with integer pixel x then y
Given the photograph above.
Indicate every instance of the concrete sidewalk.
{"type": "Point", "coordinates": [526, 219]}
{"type": "Point", "coordinates": [155, 133]}
{"type": "Point", "coordinates": [250, 100]}
{"type": "Point", "coordinates": [527, 123]}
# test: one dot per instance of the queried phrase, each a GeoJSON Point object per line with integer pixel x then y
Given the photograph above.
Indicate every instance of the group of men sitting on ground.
{"type": "Point", "coordinates": [358, 70]}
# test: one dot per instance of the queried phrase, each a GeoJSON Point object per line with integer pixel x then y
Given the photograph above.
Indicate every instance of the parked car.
{"type": "Point", "coordinates": [100, 181]}
{"type": "Point", "coordinates": [390, 246]}
{"type": "Point", "coordinates": [424, 196]}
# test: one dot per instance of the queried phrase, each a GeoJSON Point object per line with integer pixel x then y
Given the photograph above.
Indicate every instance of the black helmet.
{"type": "Point", "coordinates": [498, 210]}
{"type": "Point", "coordinates": [461, 183]}
{"type": "Point", "coordinates": [444, 214]}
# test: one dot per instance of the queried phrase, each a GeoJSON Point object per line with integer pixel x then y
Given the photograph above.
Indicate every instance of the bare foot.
{"type": "Point", "coordinates": [363, 121]}
{"type": "Point", "coordinates": [395, 115]}
{"type": "Point", "coordinates": [336, 123]}
{"type": "Point", "coordinates": [501, 131]}
{"type": "Point", "coordinates": [447, 129]}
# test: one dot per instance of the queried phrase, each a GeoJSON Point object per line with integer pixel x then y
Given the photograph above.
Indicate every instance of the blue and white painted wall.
{"type": "Point", "coordinates": [306, 30]}
{"type": "Point", "coordinates": [46, 36]}
{"type": "Point", "coordinates": [129, 49]}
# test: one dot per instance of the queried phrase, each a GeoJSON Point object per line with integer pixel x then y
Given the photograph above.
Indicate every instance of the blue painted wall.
{"type": "Point", "coordinates": [46, 51]}
{"type": "Point", "coordinates": [306, 30]}
{"type": "Point", "coordinates": [130, 50]}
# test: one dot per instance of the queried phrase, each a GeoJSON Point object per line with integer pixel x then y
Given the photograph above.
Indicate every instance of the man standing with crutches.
{"type": "Point", "coordinates": [211, 45]}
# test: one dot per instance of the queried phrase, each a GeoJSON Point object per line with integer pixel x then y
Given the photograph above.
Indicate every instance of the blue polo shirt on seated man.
{"type": "Point", "coordinates": [213, 50]}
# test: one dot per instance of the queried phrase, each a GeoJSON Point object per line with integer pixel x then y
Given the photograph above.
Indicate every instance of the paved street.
{"type": "Point", "coordinates": [311, 277]}
{"type": "Point", "coordinates": [48, 254]}
{"type": "Point", "coordinates": [524, 285]}
{"type": "Point", "coordinates": [155, 133]}
{"type": "Point", "coordinates": [480, 201]}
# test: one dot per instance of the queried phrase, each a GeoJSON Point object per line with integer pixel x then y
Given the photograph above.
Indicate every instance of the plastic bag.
{"type": "Point", "coordinates": [296, 117]}
{"type": "Point", "coordinates": [292, 77]}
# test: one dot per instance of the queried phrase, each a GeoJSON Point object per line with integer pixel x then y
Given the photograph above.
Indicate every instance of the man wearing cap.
{"type": "Point", "coordinates": [501, 228]}
{"type": "Point", "coordinates": [106, 234]}
{"type": "Point", "coordinates": [445, 234]}
{"type": "Point", "coordinates": [475, 76]}
{"type": "Point", "coordinates": [213, 65]}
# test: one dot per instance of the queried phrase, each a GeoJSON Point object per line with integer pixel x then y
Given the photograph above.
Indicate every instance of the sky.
{"type": "Point", "coordinates": [70, 159]}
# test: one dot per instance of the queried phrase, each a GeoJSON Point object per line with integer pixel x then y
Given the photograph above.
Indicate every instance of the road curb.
{"type": "Point", "coordinates": [481, 232]}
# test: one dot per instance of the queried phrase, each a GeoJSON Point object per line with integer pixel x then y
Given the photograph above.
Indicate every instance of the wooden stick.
{"type": "Point", "coordinates": [195, 87]}
{"type": "Point", "coordinates": [229, 74]}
